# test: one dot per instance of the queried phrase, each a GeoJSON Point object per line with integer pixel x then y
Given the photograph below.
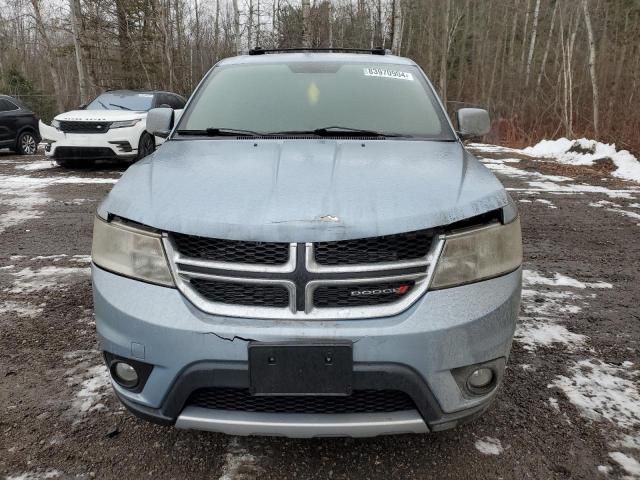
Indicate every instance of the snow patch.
{"type": "Point", "coordinates": [90, 381]}
{"type": "Point", "coordinates": [587, 152]}
{"type": "Point", "coordinates": [546, 202]}
{"type": "Point", "coordinates": [489, 446]}
{"type": "Point", "coordinates": [530, 277]}
{"type": "Point", "coordinates": [629, 441]}
{"type": "Point", "coordinates": [543, 331]}
{"type": "Point", "coordinates": [24, 195]}
{"type": "Point", "coordinates": [603, 392]}
{"type": "Point", "coordinates": [19, 308]}
{"type": "Point", "coordinates": [609, 207]}
{"type": "Point", "coordinates": [550, 303]}
{"type": "Point", "coordinates": [35, 475]}
{"type": "Point", "coordinates": [545, 308]}
{"type": "Point", "coordinates": [629, 464]}
{"type": "Point", "coordinates": [239, 463]}
{"type": "Point", "coordinates": [575, 189]}
{"type": "Point", "coordinates": [28, 280]}
{"type": "Point", "coordinates": [510, 171]}
{"type": "Point", "coordinates": [39, 165]}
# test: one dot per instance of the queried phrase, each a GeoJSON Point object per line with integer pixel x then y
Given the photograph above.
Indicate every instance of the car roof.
{"type": "Point", "coordinates": [133, 92]}
{"type": "Point", "coordinates": [139, 92]}
{"type": "Point", "coordinates": [270, 58]}
{"type": "Point", "coordinates": [16, 101]}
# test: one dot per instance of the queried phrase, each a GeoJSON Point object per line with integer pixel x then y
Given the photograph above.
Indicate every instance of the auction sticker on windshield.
{"type": "Point", "coordinates": [386, 73]}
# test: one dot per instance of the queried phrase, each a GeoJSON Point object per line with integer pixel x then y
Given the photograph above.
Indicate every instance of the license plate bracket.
{"type": "Point", "coordinates": [300, 369]}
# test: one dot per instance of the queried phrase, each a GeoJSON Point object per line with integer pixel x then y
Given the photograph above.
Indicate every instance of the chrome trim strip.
{"type": "Point", "coordinates": [313, 266]}
{"type": "Point", "coordinates": [297, 425]}
{"type": "Point", "coordinates": [422, 282]}
{"type": "Point", "coordinates": [178, 258]}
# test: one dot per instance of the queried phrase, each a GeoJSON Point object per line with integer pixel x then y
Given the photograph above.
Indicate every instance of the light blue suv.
{"type": "Point", "coordinates": [312, 252]}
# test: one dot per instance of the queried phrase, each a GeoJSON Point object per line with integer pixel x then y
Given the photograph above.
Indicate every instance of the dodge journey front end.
{"type": "Point", "coordinates": [312, 252]}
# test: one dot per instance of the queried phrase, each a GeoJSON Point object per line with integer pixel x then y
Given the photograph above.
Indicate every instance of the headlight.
{"type": "Point", "coordinates": [55, 124]}
{"type": "Point", "coordinates": [124, 123]}
{"type": "Point", "coordinates": [130, 251]}
{"type": "Point", "coordinates": [479, 254]}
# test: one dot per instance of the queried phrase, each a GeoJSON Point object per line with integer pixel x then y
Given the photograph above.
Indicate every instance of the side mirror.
{"type": "Point", "coordinates": [473, 123]}
{"type": "Point", "coordinates": [160, 121]}
{"type": "Point", "coordinates": [83, 106]}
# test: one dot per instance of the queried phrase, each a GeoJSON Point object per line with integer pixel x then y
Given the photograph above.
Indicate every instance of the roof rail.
{"type": "Point", "coordinates": [372, 51]}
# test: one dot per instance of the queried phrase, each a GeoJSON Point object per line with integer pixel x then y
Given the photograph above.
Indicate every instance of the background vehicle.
{"type": "Point", "coordinates": [111, 127]}
{"type": "Point", "coordinates": [313, 252]}
{"type": "Point", "coordinates": [18, 127]}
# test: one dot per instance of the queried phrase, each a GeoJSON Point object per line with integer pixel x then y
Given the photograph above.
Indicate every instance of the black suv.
{"type": "Point", "coordinates": [18, 127]}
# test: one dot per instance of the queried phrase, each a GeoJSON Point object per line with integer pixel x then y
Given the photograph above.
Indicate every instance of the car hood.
{"type": "Point", "coordinates": [100, 115]}
{"type": "Point", "coordinates": [303, 190]}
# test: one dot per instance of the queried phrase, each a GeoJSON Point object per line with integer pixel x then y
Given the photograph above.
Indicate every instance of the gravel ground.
{"type": "Point", "coordinates": [569, 406]}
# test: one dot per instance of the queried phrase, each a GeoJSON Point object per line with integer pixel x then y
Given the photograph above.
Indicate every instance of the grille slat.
{"type": "Point", "coordinates": [333, 296]}
{"type": "Point", "coordinates": [232, 251]}
{"type": "Point", "coordinates": [360, 401]}
{"type": "Point", "coordinates": [389, 248]}
{"type": "Point", "coordinates": [71, 126]}
{"type": "Point", "coordinates": [254, 295]}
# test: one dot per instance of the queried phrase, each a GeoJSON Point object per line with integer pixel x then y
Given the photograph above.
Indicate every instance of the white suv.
{"type": "Point", "coordinates": [113, 126]}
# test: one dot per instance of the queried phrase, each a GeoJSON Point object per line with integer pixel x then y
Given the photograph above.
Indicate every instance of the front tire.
{"type": "Point", "coordinates": [146, 146]}
{"type": "Point", "coordinates": [27, 144]}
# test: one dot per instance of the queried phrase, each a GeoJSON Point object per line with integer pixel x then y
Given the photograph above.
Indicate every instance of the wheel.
{"type": "Point", "coordinates": [27, 144]}
{"type": "Point", "coordinates": [146, 146]}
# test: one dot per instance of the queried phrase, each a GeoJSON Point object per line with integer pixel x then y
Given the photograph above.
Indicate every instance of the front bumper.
{"type": "Point", "coordinates": [117, 143]}
{"type": "Point", "coordinates": [414, 352]}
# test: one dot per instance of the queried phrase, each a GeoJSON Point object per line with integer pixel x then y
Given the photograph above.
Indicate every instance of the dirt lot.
{"type": "Point", "coordinates": [569, 407]}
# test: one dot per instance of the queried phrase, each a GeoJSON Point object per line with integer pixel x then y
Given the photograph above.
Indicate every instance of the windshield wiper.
{"type": "Point", "coordinates": [119, 106]}
{"type": "Point", "coordinates": [337, 130]}
{"type": "Point", "coordinates": [220, 132]}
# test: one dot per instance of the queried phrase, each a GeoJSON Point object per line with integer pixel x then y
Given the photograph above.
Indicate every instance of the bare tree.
{"type": "Point", "coordinates": [592, 66]}
{"type": "Point", "coordinates": [51, 54]}
{"type": "Point", "coordinates": [306, 23]}
{"type": "Point", "coordinates": [532, 43]}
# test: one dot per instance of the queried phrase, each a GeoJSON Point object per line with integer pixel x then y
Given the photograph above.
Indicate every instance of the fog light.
{"type": "Point", "coordinates": [125, 374]}
{"type": "Point", "coordinates": [480, 378]}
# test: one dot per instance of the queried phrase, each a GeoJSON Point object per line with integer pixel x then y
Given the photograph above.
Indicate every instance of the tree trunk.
{"type": "Point", "coordinates": [55, 78]}
{"type": "Point", "coordinates": [546, 48]}
{"type": "Point", "coordinates": [123, 43]}
{"type": "Point", "coordinates": [445, 49]}
{"type": "Point", "coordinates": [532, 44]}
{"type": "Point", "coordinates": [250, 25]}
{"type": "Point", "coordinates": [75, 29]}
{"type": "Point", "coordinates": [306, 23]}
{"type": "Point", "coordinates": [236, 26]}
{"type": "Point", "coordinates": [397, 22]}
{"type": "Point", "coordinates": [592, 66]}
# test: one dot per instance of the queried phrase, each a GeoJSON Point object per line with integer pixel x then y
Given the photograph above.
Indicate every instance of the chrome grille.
{"type": "Point", "coordinates": [360, 401]}
{"type": "Point", "coordinates": [233, 251]}
{"type": "Point", "coordinates": [220, 278]}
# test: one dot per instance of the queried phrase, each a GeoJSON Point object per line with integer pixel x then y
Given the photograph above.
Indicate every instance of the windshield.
{"type": "Point", "coordinates": [310, 96]}
{"type": "Point", "coordinates": [139, 102]}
